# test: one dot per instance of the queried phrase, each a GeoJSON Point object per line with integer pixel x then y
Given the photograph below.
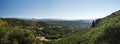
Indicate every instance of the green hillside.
{"type": "Point", "coordinates": [106, 31]}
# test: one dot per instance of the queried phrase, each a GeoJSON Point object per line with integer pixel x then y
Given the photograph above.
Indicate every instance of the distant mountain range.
{"type": "Point", "coordinates": [70, 23]}
{"type": "Point", "coordinates": [45, 19]}
{"type": "Point", "coordinates": [62, 22]}
{"type": "Point", "coordinates": [50, 19]}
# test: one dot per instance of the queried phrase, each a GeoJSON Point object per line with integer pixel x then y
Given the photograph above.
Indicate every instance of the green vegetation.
{"type": "Point", "coordinates": [15, 35]}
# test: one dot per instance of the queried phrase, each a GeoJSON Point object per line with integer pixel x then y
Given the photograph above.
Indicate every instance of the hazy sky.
{"type": "Point", "coordinates": [60, 9]}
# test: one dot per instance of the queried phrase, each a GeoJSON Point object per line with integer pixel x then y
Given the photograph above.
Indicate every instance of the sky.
{"type": "Point", "coordinates": [58, 9]}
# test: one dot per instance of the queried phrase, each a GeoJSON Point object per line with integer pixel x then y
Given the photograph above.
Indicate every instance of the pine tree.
{"type": "Point", "coordinates": [93, 24]}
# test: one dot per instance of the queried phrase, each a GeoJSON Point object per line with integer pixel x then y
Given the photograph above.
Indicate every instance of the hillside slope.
{"type": "Point", "coordinates": [106, 31]}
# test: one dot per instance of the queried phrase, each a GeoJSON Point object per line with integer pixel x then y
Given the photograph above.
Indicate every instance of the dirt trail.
{"type": "Point", "coordinates": [42, 38]}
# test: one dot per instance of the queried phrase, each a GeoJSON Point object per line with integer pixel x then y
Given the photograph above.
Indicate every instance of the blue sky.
{"type": "Point", "coordinates": [60, 9]}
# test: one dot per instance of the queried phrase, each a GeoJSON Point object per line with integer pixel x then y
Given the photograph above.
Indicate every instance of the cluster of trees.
{"type": "Point", "coordinates": [15, 35]}
{"type": "Point", "coordinates": [95, 22]}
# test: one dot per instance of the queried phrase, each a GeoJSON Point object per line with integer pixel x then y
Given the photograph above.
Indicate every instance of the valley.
{"type": "Point", "coordinates": [44, 30]}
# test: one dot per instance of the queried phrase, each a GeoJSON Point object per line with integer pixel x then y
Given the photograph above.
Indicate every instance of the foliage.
{"type": "Point", "coordinates": [15, 35]}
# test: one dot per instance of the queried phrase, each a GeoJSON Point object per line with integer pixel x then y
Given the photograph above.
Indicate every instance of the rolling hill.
{"type": "Point", "coordinates": [62, 22]}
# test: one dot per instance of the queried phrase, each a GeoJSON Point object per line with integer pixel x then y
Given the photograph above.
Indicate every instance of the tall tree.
{"type": "Point", "coordinates": [93, 24]}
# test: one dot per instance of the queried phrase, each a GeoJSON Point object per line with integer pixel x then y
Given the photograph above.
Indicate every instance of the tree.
{"type": "Point", "coordinates": [93, 24]}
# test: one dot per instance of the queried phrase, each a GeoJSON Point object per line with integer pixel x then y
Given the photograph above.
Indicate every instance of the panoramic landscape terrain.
{"type": "Point", "coordinates": [59, 22]}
